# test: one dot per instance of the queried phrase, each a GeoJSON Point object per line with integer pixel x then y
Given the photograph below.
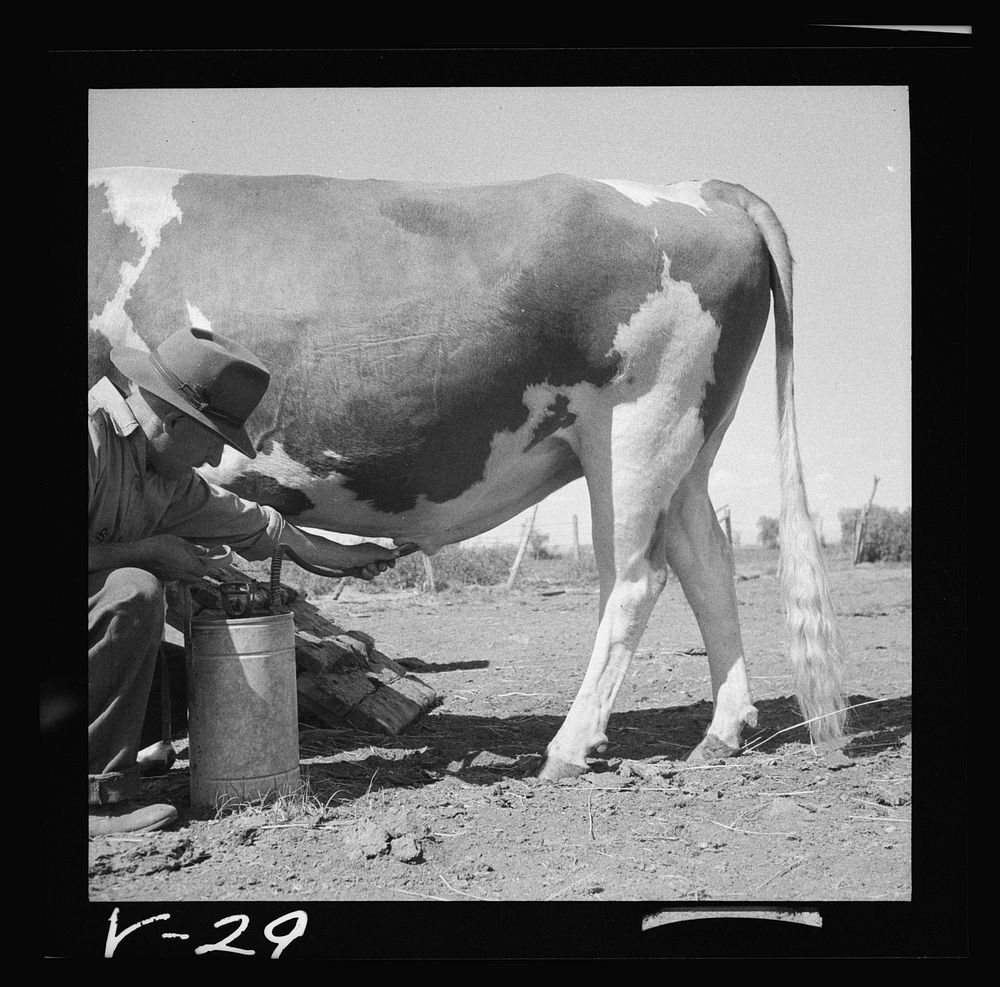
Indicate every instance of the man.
{"type": "Point", "coordinates": [152, 520]}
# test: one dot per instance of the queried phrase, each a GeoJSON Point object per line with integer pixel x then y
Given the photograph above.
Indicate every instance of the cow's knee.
{"type": "Point", "coordinates": [692, 536]}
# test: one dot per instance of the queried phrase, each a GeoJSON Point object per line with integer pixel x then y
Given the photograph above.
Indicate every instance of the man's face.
{"type": "Point", "coordinates": [183, 445]}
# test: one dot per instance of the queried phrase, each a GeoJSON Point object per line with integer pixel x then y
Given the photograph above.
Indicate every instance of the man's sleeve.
{"type": "Point", "coordinates": [93, 460]}
{"type": "Point", "coordinates": [206, 514]}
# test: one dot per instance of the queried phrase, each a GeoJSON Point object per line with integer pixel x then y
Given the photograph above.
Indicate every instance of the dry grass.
{"type": "Point", "coordinates": [298, 808]}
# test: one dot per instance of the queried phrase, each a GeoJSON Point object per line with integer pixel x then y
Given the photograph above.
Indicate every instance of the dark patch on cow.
{"type": "Point", "coordinates": [98, 357]}
{"type": "Point", "coordinates": [427, 217]}
{"type": "Point", "coordinates": [110, 245]}
{"type": "Point", "coordinates": [433, 378]}
{"type": "Point", "coordinates": [556, 416]}
{"type": "Point", "coordinates": [742, 313]}
{"type": "Point", "coordinates": [724, 259]}
{"type": "Point", "coordinates": [393, 427]}
{"type": "Point", "coordinates": [265, 490]}
{"type": "Point", "coordinates": [734, 354]}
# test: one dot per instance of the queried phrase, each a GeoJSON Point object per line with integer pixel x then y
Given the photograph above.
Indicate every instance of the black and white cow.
{"type": "Point", "coordinates": [443, 357]}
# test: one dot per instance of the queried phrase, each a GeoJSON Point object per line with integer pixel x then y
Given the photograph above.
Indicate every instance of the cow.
{"type": "Point", "coordinates": [443, 357]}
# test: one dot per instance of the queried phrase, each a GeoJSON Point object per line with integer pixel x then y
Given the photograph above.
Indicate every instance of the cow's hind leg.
{"type": "Point", "coordinates": [633, 570]}
{"type": "Point", "coordinates": [637, 440]}
{"type": "Point", "coordinates": [629, 515]}
{"type": "Point", "coordinates": [700, 555]}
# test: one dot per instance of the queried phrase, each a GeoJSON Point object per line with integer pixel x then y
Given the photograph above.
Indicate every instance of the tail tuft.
{"type": "Point", "coordinates": [815, 646]}
{"type": "Point", "coordinates": [815, 649]}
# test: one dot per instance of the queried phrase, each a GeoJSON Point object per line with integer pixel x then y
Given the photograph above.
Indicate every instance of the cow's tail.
{"type": "Point", "coordinates": [815, 649]}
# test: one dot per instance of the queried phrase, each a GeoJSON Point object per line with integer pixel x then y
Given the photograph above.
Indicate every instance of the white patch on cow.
{"type": "Point", "coordinates": [654, 404]}
{"type": "Point", "coordinates": [196, 318]}
{"type": "Point", "coordinates": [232, 465]}
{"type": "Point", "coordinates": [345, 539]}
{"type": "Point", "coordinates": [537, 398]}
{"type": "Point", "coordinates": [276, 464]}
{"type": "Point", "coordinates": [666, 338]}
{"type": "Point", "coordinates": [685, 193]}
{"type": "Point", "coordinates": [142, 199]}
{"type": "Point", "coordinates": [667, 348]}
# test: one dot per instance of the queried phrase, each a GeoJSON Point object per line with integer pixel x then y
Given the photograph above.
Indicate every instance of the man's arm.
{"type": "Point", "coordinates": [165, 556]}
{"type": "Point", "coordinates": [212, 516]}
{"type": "Point", "coordinates": [367, 558]}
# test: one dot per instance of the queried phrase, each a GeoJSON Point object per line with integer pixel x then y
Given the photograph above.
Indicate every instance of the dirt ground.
{"type": "Point", "coordinates": [450, 810]}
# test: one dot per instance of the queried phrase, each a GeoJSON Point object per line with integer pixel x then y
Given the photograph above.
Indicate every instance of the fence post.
{"type": "Point", "coordinates": [576, 538]}
{"type": "Point", "coordinates": [520, 550]}
{"type": "Point", "coordinates": [429, 574]}
{"type": "Point", "coordinates": [859, 540]}
{"type": "Point", "coordinates": [728, 523]}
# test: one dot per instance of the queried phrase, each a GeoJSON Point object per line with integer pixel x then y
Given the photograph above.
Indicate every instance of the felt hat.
{"type": "Point", "coordinates": [213, 379]}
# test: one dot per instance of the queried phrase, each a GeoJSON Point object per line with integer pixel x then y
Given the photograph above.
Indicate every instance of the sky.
{"type": "Point", "coordinates": [832, 161]}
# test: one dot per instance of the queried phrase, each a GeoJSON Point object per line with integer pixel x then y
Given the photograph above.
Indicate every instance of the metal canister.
{"type": "Point", "coordinates": [243, 710]}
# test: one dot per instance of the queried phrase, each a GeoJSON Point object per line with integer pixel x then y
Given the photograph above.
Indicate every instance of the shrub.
{"type": "Point", "coordinates": [888, 536]}
{"type": "Point", "coordinates": [485, 565]}
{"type": "Point", "coordinates": [848, 526]}
{"type": "Point", "coordinates": [539, 548]}
{"type": "Point", "coordinates": [454, 565]}
{"type": "Point", "coordinates": [767, 531]}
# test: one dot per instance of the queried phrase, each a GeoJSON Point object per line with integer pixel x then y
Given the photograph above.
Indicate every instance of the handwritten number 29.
{"type": "Point", "coordinates": [222, 946]}
{"type": "Point", "coordinates": [280, 941]}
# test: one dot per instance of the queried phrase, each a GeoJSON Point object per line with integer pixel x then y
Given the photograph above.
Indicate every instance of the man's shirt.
{"type": "Point", "coordinates": [128, 502]}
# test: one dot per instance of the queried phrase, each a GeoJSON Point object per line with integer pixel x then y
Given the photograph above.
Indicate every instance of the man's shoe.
{"type": "Point", "coordinates": [125, 817]}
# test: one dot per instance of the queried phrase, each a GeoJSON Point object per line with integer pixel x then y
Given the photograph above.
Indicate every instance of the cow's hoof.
{"type": "Point", "coordinates": [555, 769]}
{"type": "Point", "coordinates": [710, 750]}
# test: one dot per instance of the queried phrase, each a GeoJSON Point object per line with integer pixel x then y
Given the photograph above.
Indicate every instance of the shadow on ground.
{"type": "Point", "coordinates": [482, 750]}
{"type": "Point", "coordinates": [425, 668]}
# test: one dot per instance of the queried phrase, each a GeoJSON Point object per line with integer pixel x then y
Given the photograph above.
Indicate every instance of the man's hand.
{"type": "Point", "coordinates": [364, 561]}
{"type": "Point", "coordinates": [170, 557]}
{"type": "Point", "coordinates": [167, 557]}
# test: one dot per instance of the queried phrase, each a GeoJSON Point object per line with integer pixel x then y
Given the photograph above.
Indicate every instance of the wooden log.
{"type": "Point", "coordinates": [332, 701]}
{"type": "Point", "coordinates": [404, 682]}
{"type": "Point", "coordinates": [384, 711]}
{"type": "Point", "coordinates": [346, 680]}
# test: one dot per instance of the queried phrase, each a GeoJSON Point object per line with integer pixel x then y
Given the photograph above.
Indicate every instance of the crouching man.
{"type": "Point", "coordinates": [152, 518]}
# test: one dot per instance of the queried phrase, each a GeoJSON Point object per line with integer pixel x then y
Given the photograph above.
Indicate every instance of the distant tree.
{"type": "Point", "coordinates": [849, 517]}
{"type": "Point", "coordinates": [538, 547]}
{"type": "Point", "coordinates": [767, 531]}
{"type": "Point", "coordinates": [888, 534]}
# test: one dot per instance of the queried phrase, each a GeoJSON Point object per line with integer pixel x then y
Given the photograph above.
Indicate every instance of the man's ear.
{"type": "Point", "coordinates": [172, 420]}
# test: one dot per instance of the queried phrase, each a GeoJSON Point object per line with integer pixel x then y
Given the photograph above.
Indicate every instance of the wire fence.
{"type": "Point", "coordinates": [564, 534]}
{"type": "Point", "coordinates": [508, 554]}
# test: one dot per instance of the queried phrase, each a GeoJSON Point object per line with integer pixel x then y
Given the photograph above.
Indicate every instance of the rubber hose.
{"type": "Point", "coordinates": [319, 570]}
{"type": "Point", "coordinates": [275, 578]}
